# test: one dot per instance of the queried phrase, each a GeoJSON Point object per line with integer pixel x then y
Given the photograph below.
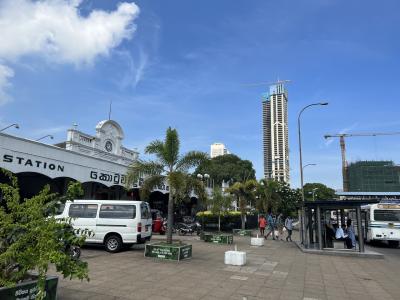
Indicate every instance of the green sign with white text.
{"type": "Point", "coordinates": [166, 251]}
{"type": "Point", "coordinates": [218, 238]}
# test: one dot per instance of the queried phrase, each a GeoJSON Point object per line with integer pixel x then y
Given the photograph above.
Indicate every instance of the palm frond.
{"type": "Point", "coordinates": [140, 168]}
{"type": "Point", "coordinates": [150, 183]}
{"type": "Point", "coordinates": [171, 147]}
{"type": "Point", "coordinates": [195, 185]}
{"type": "Point", "coordinates": [155, 147]}
{"type": "Point", "coordinates": [177, 180]}
{"type": "Point", "coordinates": [191, 159]}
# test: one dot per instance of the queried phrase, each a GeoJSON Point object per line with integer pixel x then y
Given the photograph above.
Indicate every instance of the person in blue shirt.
{"type": "Point", "coordinates": [351, 242]}
{"type": "Point", "coordinates": [271, 226]}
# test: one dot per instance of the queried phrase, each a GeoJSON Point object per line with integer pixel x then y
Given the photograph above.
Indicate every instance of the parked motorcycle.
{"type": "Point", "coordinates": [75, 252]}
{"type": "Point", "coordinates": [184, 228]}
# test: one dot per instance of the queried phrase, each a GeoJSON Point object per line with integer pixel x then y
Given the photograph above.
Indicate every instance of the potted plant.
{"type": "Point", "coordinates": [219, 204]}
{"type": "Point", "coordinates": [172, 168]}
{"type": "Point", "coordinates": [32, 239]}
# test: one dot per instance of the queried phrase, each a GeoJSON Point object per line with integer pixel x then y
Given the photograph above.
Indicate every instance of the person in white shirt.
{"type": "Point", "coordinates": [340, 233]}
{"type": "Point", "coordinates": [289, 228]}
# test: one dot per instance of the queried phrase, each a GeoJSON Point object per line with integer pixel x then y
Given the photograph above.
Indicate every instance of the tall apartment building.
{"type": "Point", "coordinates": [275, 134]}
{"type": "Point", "coordinates": [218, 149]}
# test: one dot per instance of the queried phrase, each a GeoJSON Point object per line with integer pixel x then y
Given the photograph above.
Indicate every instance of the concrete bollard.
{"type": "Point", "coordinates": [235, 258]}
{"type": "Point", "coordinates": [256, 241]}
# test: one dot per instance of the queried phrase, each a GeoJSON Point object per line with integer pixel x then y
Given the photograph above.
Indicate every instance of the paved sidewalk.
{"type": "Point", "coordinates": [278, 270]}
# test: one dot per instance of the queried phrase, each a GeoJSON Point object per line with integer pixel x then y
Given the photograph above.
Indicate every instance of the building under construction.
{"type": "Point", "coordinates": [275, 133]}
{"type": "Point", "coordinates": [373, 176]}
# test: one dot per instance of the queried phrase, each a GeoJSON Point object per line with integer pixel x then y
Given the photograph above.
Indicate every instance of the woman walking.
{"type": "Point", "coordinates": [261, 224]}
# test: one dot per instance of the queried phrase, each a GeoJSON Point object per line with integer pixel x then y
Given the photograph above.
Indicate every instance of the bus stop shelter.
{"type": "Point", "coordinates": [316, 214]}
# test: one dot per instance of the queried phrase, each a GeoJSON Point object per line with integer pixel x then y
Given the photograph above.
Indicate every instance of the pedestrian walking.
{"type": "Point", "coordinates": [280, 225]}
{"type": "Point", "coordinates": [289, 228]}
{"type": "Point", "coordinates": [271, 226]}
{"type": "Point", "coordinates": [261, 224]}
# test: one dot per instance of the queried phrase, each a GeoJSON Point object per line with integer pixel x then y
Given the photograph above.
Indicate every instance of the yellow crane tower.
{"type": "Point", "coordinates": [341, 137]}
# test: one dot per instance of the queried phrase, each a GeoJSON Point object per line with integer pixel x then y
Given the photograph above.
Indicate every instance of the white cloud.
{"type": "Point", "coordinates": [135, 70]}
{"type": "Point", "coordinates": [57, 31]}
{"type": "Point", "coordinates": [5, 74]}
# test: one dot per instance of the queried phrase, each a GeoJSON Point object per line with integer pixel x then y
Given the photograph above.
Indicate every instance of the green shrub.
{"type": "Point", "coordinates": [31, 239]}
{"type": "Point", "coordinates": [227, 219]}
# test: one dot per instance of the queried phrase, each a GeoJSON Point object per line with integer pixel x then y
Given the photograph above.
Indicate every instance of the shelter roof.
{"type": "Point", "coordinates": [339, 204]}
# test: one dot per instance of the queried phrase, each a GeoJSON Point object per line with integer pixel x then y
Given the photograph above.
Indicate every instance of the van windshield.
{"type": "Point", "coordinates": [145, 211]}
{"type": "Point", "coordinates": [387, 215]}
{"type": "Point", "coordinates": [113, 211]}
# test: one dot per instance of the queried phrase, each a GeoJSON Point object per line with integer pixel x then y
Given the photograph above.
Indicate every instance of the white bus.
{"type": "Point", "coordinates": [381, 222]}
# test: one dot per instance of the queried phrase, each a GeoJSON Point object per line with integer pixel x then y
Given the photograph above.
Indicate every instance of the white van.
{"type": "Point", "coordinates": [115, 223]}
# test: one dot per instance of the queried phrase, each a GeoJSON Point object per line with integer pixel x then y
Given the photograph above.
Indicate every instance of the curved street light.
{"type": "Point", "coordinates": [301, 162]}
{"type": "Point", "coordinates": [43, 137]}
{"type": "Point", "coordinates": [299, 133]}
{"type": "Point", "coordinates": [12, 125]}
{"type": "Point", "coordinates": [308, 165]}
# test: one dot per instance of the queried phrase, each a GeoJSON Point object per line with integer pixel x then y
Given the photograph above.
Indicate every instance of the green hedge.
{"type": "Point", "coordinates": [230, 220]}
{"type": "Point", "coordinates": [228, 217]}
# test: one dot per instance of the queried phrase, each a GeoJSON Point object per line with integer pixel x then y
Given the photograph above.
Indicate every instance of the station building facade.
{"type": "Point", "coordinates": [100, 162]}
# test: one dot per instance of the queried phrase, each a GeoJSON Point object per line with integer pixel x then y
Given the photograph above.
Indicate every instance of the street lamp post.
{"type": "Point", "coordinates": [12, 125]}
{"type": "Point", "coordinates": [43, 137]}
{"type": "Point", "coordinates": [313, 193]}
{"type": "Point", "coordinates": [307, 165]}
{"type": "Point", "coordinates": [301, 163]}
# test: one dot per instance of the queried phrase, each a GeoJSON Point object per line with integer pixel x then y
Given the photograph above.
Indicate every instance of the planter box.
{"type": "Point", "coordinates": [168, 251]}
{"type": "Point", "coordinates": [218, 238]}
{"type": "Point", "coordinates": [235, 258]}
{"type": "Point", "coordinates": [28, 290]}
{"type": "Point", "coordinates": [257, 241]}
{"type": "Point", "coordinates": [242, 232]}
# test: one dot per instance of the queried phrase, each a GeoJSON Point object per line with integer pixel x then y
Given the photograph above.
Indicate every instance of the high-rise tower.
{"type": "Point", "coordinates": [218, 149]}
{"type": "Point", "coordinates": [275, 133]}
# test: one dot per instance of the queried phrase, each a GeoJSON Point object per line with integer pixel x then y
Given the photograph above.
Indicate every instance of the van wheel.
{"type": "Point", "coordinates": [113, 243]}
{"type": "Point", "coordinates": [393, 244]}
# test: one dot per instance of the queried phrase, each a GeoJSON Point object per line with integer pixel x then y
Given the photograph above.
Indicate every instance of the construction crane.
{"type": "Point", "coordinates": [267, 83]}
{"type": "Point", "coordinates": [341, 137]}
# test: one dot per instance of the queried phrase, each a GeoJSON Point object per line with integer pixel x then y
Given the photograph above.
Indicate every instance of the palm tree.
{"type": "Point", "coordinates": [169, 166]}
{"type": "Point", "coordinates": [219, 203]}
{"type": "Point", "coordinates": [268, 197]}
{"type": "Point", "coordinates": [245, 194]}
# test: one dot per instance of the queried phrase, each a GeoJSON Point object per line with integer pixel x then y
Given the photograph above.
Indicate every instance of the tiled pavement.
{"type": "Point", "coordinates": [279, 270]}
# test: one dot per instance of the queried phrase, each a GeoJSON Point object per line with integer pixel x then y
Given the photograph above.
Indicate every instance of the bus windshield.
{"type": "Point", "coordinates": [387, 215]}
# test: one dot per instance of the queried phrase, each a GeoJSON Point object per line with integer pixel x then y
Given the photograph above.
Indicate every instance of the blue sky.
{"type": "Point", "coordinates": [185, 64]}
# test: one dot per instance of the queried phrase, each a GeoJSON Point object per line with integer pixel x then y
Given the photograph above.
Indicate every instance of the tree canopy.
{"type": "Point", "coordinates": [226, 168]}
{"type": "Point", "coordinates": [277, 197]}
{"type": "Point", "coordinates": [321, 191]}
